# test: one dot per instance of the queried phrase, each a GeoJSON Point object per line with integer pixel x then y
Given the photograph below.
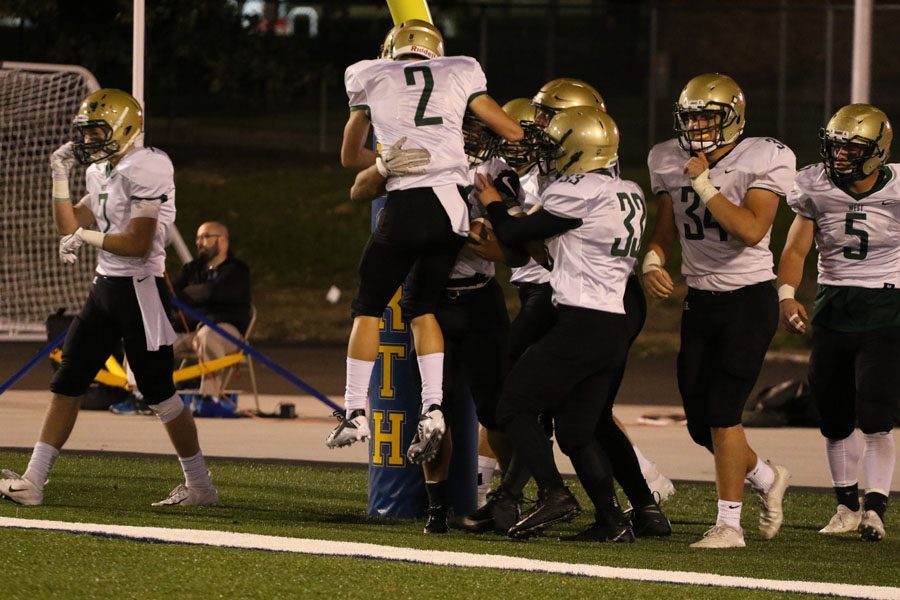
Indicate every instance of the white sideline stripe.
{"type": "Point", "coordinates": [252, 541]}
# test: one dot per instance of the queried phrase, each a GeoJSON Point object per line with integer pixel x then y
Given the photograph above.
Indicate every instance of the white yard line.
{"type": "Point", "coordinates": [251, 541]}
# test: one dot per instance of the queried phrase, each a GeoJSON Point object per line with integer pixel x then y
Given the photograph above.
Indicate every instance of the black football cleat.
{"type": "Point", "coordinates": [437, 519]}
{"type": "Point", "coordinates": [553, 506]}
{"type": "Point", "coordinates": [603, 532]}
{"type": "Point", "coordinates": [499, 514]}
{"type": "Point", "coordinates": [650, 522]}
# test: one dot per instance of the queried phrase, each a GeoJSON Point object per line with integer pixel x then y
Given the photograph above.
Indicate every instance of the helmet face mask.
{"type": "Point", "coordinates": [479, 142]}
{"type": "Point", "coordinates": [709, 113]}
{"type": "Point", "coordinates": [701, 130]}
{"type": "Point", "coordinates": [520, 155]}
{"type": "Point", "coordinates": [855, 143]}
{"type": "Point", "coordinates": [108, 123]}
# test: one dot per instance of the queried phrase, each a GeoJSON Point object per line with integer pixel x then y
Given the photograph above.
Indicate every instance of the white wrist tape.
{"type": "Point", "coordinates": [61, 189]}
{"type": "Point", "coordinates": [94, 238]}
{"type": "Point", "coordinates": [652, 262]}
{"type": "Point", "coordinates": [382, 169]}
{"type": "Point", "coordinates": [786, 292]}
{"type": "Point", "coordinates": [704, 187]}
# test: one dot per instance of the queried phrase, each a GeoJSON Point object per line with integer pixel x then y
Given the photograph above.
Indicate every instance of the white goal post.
{"type": "Point", "coordinates": [37, 103]}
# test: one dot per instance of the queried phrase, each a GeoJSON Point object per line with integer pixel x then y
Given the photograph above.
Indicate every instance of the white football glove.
{"type": "Point", "coordinates": [61, 162]}
{"type": "Point", "coordinates": [394, 161]}
{"type": "Point", "coordinates": [69, 246]}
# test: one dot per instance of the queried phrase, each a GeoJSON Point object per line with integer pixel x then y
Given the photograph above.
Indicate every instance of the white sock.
{"type": "Point", "coordinates": [843, 459]}
{"type": "Point", "coordinates": [195, 471]}
{"type": "Point", "coordinates": [730, 514]}
{"type": "Point", "coordinates": [486, 467]}
{"type": "Point", "coordinates": [356, 391]}
{"type": "Point", "coordinates": [648, 468]}
{"type": "Point", "coordinates": [762, 476]}
{"type": "Point", "coordinates": [41, 462]}
{"type": "Point", "coordinates": [431, 369]}
{"type": "Point", "coordinates": [878, 461]}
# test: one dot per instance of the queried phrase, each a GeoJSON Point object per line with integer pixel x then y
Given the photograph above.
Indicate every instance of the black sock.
{"type": "Point", "coordinates": [877, 502]}
{"type": "Point", "coordinates": [848, 496]}
{"type": "Point", "coordinates": [625, 466]}
{"type": "Point", "coordinates": [534, 450]}
{"type": "Point", "coordinates": [595, 473]}
{"type": "Point", "coordinates": [516, 477]}
{"type": "Point", "coordinates": [437, 493]}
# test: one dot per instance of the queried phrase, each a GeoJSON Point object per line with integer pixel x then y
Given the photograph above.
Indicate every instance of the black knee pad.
{"type": "Point", "coordinates": [572, 434]}
{"type": "Point", "coordinates": [701, 434]}
{"type": "Point", "coordinates": [874, 418]}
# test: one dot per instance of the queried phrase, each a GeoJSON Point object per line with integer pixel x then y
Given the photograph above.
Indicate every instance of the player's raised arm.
{"type": "Point", "coordinates": [487, 109]}
{"type": "Point", "coordinates": [354, 153]}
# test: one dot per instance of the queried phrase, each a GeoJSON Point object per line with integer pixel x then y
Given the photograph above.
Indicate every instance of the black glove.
{"type": "Point", "coordinates": [507, 183]}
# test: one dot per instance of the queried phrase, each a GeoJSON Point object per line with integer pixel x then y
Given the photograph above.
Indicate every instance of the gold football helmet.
{"type": "Point", "coordinates": [417, 37]}
{"type": "Point", "coordinates": [107, 123]}
{"type": "Point", "coordinates": [519, 155]}
{"type": "Point", "coordinates": [564, 93]}
{"type": "Point", "coordinates": [709, 113]}
{"type": "Point", "coordinates": [855, 142]}
{"type": "Point", "coordinates": [385, 50]}
{"type": "Point", "coordinates": [479, 142]}
{"type": "Point", "coordinates": [585, 139]}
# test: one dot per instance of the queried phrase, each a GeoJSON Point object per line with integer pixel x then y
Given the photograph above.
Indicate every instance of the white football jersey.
{"type": "Point", "coordinates": [423, 101]}
{"type": "Point", "coordinates": [591, 263]}
{"type": "Point", "coordinates": [711, 258]}
{"type": "Point", "coordinates": [144, 174]}
{"type": "Point", "coordinates": [532, 184]}
{"type": "Point", "coordinates": [468, 263]}
{"type": "Point", "coordinates": [858, 238]}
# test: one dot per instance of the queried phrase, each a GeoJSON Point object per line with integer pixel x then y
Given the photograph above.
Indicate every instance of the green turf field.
{"type": "Point", "coordinates": [329, 503]}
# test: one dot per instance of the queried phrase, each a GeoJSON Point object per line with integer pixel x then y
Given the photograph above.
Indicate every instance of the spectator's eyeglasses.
{"type": "Point", "coordinates": [205, 236]}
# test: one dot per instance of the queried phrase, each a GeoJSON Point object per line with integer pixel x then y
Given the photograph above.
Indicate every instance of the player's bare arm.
{"type": "Point", "coordinates": [354, 153]}
{"type": "Point", "coordinates": [487, 109]}
{"type": "Point", "coordinates": [793, 315]}
{"type": "Point", "coordinates": [657, 280]}
{"type": "Point", "coordinates": [750, 222]}
{"type": "Point", "coordinates": [136, 240]}
{"type": "Point", "coordinates": [368, 185]}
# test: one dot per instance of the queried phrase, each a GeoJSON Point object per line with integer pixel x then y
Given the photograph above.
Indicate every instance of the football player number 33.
{"type": "Point", "coordinates": [428, 86]}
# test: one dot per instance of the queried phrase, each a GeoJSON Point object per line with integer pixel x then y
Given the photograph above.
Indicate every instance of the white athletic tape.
{"type": "Point", "coordinates": [450, 559]}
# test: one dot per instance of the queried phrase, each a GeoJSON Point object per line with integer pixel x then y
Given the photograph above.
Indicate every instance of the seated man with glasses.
{"type": "Point", "coordinates": [217, 285]}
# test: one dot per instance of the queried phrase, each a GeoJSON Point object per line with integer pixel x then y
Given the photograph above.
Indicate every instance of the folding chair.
{"type": "Point", "coordinates": [240, 356]}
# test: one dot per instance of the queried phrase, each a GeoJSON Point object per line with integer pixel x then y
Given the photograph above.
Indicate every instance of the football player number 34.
{"type": "Point", "coordinates": [428, 85]}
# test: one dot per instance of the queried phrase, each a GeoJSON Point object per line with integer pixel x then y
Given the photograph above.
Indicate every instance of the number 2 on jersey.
{"type": "Point", "coordinates": [631, 203]}
{"type": "Point", "coordinates": [428, 79]}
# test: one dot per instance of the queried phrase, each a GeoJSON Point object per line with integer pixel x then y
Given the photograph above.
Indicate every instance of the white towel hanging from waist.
{"type": "Point", "coordinates": [455, 207]}
{"type": "Point", "coordinates": [157, 328]}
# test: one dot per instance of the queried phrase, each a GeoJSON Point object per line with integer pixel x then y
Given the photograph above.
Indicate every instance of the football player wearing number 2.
{"type": "Point", "coordinates": [849, 205]}
{"type": "Point", "coordinates": [417, 97]}
{"type": "Point", "coordinates": [719, 193]}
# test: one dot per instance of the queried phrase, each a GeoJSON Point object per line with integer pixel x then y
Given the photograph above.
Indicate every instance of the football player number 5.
{"type": "Point", "coordinates": [863, 236]}
{"type": "Point", "coordinates": [428, 80]}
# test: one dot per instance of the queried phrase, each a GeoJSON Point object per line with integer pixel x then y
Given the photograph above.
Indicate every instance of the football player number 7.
{"type": "Point", "coordinates": [428, 81]}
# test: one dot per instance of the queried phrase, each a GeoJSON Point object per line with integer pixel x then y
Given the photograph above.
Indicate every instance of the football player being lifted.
{"type": "Point", "coordinates": [849, 205]}
{"type": "Point", "coordinates": [718, 193]}
{"type": "Point", "coordinates": [418, 98]}
{"type": "Point", "coordinates": [594, 221]}
{"type": "Point", "coordinates": [129, 206]}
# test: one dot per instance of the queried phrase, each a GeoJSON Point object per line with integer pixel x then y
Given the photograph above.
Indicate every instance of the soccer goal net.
{"type": "Point", "coordinates": [37, 103]}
